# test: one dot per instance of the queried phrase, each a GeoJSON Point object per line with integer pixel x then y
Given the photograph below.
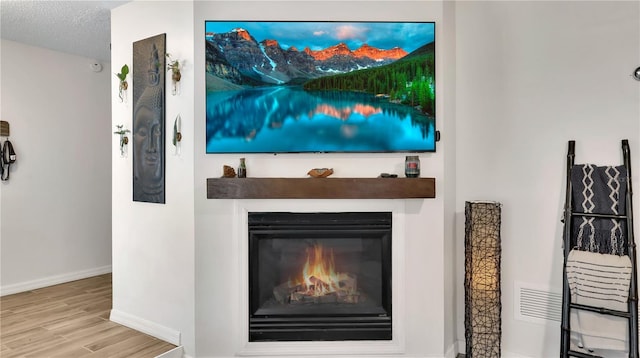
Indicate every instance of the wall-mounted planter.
{"type": "Point", "coordinates": [174, 67]}
{"type": "Point", "coordinates": [177, 134]}
{"type": "Point", "coordinates": [123, 86]}
{"type": "Point", "coordinates": [124, 139]}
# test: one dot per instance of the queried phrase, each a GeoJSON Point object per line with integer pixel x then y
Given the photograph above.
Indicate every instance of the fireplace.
{"type": "Point", "coordinates": [319, 276]}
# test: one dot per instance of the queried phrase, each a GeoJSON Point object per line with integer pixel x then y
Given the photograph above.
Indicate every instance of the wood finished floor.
{"type": "Point", "coordinates": [70, 320]}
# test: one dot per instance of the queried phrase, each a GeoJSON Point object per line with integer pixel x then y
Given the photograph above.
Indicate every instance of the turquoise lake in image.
{"type": "Point", "coordinates": [288, 119]}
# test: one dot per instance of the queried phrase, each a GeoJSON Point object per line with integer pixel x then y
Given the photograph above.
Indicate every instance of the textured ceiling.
{"type": "Point", "coordinates": [77, 27]}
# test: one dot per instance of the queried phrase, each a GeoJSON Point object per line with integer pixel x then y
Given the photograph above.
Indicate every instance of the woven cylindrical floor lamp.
{"type": "Point", "coordinates": [482, 279]}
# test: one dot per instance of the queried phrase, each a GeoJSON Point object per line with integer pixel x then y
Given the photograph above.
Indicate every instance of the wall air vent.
{"type": "Point", "coordinates": [537, 304]}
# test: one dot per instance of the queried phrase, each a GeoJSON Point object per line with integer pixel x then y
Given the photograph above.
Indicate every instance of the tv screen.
{"type": "Point", "coordinates": [298, 87]}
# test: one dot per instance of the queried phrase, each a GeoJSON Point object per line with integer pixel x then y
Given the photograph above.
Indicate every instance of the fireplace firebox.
{"type": "Point", "coordinates": [319, 276]}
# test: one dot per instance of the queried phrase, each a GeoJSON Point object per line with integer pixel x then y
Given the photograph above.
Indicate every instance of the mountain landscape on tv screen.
{"type": "Point", "coordinates": [239, 58]}
{"type": "Point", "coordinates": [236, 60]}
{"type": "Point", "coordinates": [341, 87]}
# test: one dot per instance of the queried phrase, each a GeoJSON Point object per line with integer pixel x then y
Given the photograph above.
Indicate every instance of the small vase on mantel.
{"type": "Point", "coordinates": [412, 166]}
{"type": "Point", "coordinates": [242, 169]}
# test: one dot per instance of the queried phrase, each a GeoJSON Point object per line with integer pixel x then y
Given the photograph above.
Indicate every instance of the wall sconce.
{"type": "Point", "coordinates": [482, 249]}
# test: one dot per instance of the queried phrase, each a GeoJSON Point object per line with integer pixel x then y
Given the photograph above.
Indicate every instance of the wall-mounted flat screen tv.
{"type": "Point", "coordinates": [298, 87]}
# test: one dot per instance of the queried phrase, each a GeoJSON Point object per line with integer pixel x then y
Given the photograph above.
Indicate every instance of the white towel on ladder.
{"type": "Point", "coordinates": [602, 281]}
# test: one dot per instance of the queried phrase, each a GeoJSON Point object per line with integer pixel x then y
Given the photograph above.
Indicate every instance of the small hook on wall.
{"type": "Point", "coordinates": [636, 74]}
{"type": "Point", "coordinates": [4, 129]}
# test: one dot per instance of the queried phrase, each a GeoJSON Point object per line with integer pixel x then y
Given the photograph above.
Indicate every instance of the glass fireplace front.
{"type": "Point", "coordinates": [319, 276]}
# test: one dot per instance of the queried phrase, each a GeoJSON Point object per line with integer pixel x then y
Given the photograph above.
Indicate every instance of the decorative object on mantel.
{"type": "Point", "coordinates": [124, 139]}
{"type": "Point", "coordinates": [242, 169]}
{"type": "Point", "coordinates": [174, 67]}
{"type": "Point", "coordinates": [636, 74]}
{"type": "Point", "coordinates": [412, 166]}
{"type": "Point", "coordinates": [320, 172]}
{"type": "Point", "coordinates": [177, 134]}
{"type": "Point", "coordinates": [228, 172]}
{"type": "Point", "coordinates": [482, 279]}
{"type": "Point", "coordinates": [123, 86]}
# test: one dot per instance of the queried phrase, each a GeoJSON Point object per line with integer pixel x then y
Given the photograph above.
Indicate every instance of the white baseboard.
{"type": "Point", "coordinates": [462, 346]}
{"type": "Point", "coordinates": [513, 355]}
{"type": "Point", "coordinates": [177, 352]}
{"type": "Point", "coordinates": [453, 351]}
{"type": "Point", "coordinates": [145, 326]}
{"type": "Point", "coordinates": [52, 280]}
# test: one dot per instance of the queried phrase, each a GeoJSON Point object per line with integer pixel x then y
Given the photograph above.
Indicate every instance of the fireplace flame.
{"type": "Point", "coordinates": [319, 276]}
{"type": "Point", "coordinates": [319, 282]}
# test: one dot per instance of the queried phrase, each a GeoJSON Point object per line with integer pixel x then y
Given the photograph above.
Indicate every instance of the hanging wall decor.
{"type": "Point", "coordinates": [177, 134]}
{"type": "Point", "coordinates": [482, 250]}
{"type": "Point", "coordinates": [123, 85]}
{"type": "Point", "coordinates": [149, 119]}
{"type": "Point", "coordinates": [124, 139]}
{"type": "Point", "coordinates": [174, 67]}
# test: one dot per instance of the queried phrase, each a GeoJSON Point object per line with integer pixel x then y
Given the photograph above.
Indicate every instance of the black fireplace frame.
{"type": "Point", "coordinates": [272, 326]}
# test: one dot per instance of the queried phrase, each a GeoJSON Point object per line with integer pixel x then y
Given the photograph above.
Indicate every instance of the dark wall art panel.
{"type": "Point", "coordinates": [149, 119]}
{"type": "Point", "coordinates": [288, 87]}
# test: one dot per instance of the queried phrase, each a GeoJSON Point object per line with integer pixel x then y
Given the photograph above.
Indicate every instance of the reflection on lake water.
{"type": "Point", "coordinates": [289, 119]}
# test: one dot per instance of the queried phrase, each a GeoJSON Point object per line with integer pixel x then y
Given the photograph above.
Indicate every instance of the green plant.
{"type": "Point", "coordinates": [174, 67]}
{"type": "Point", "coordinates": [124, 140]}
{"type": "Point", "coordinates": [122, 76]}
{"type": "Point", "coordinates": [124, 71]}
{"type": "Point", "coordinates": [121, 130]}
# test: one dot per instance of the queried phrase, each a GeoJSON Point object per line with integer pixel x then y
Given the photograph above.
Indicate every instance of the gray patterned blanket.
{"type": "Point", "coordinates": [599, 190]}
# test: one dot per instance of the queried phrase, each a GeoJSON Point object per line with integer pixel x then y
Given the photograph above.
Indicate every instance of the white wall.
{"type": "Point", "coordinates": [56, 207]}
{"type": "Point", "coordinates": [153, 250]}
{"type": "Point", "coordinates": [529, 77]}
{"type": "Point", "coordinates": [448, 111]}
{"type": "Point", "coordinates": [217, 289]}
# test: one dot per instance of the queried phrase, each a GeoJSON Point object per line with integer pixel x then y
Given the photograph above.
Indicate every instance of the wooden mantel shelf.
{"type": "Point", "coordinates": [321, 188]}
